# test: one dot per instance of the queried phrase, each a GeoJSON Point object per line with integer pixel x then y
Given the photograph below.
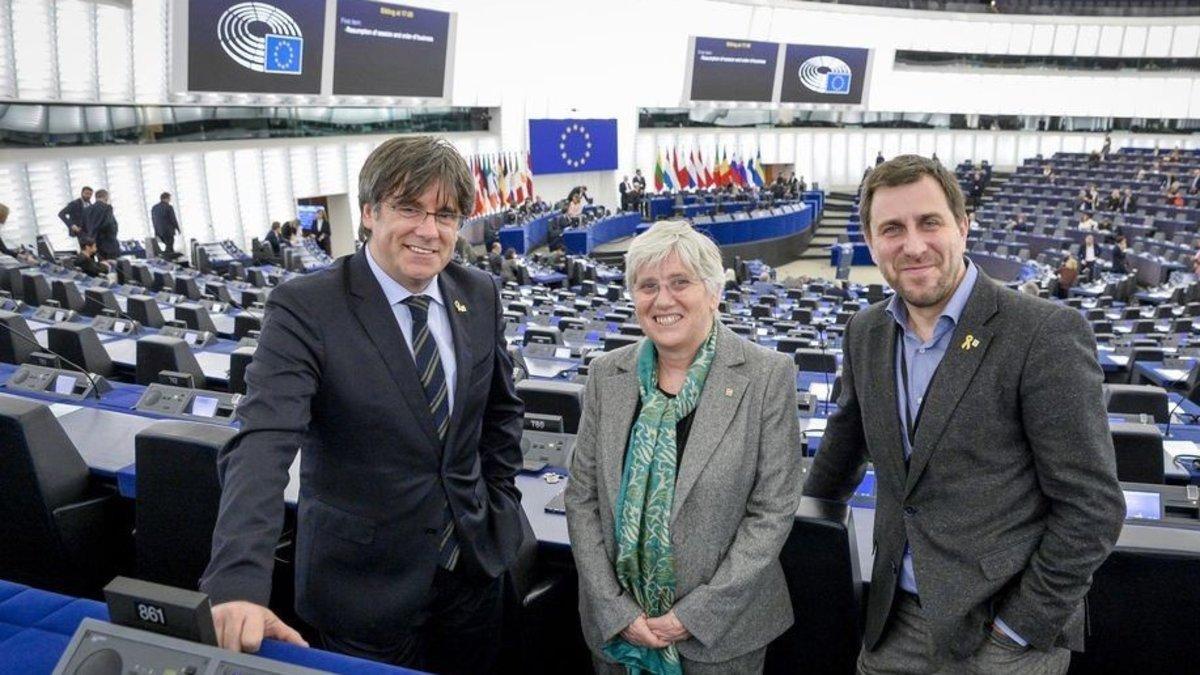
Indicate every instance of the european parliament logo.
{"type": "Point", "coordinates": [262, 38]}
{"type": "Point", "coordinates": [825, 75]}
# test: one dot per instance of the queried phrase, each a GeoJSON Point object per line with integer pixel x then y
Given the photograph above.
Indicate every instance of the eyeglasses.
{"type": "Point", "coordinates": [412, 214]}
{"type": "Point", "coordinates": [677, 285]}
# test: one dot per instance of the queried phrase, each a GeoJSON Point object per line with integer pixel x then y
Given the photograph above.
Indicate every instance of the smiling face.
{"type": "Point", "coordinates": [411, 250]}
{"type": "Point", "coordinates": [917, 242]}
{"type": "Point", "coordinates": [673, 306]}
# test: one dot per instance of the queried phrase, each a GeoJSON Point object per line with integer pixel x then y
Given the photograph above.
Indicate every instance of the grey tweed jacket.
{"type": "Point", "coordinates": [1010, 500]}
{"type": "Point", "coordinates": [736, 494]}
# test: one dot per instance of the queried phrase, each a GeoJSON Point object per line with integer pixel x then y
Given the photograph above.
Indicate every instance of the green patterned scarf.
{"type": "Point", "coordinates": [645, 565]}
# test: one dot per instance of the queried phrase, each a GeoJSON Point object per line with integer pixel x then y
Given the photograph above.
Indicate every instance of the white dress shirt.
{"type": "Point", "coordinates": [438, 320]}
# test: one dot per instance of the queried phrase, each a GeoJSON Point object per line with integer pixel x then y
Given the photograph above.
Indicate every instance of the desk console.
{"type": "Point", "coordinates": [197, 405]}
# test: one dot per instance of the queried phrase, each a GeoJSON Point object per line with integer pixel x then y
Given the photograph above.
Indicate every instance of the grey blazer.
{"type": "Point", "coordinates": [1010, 500]}
{"type": "Point", "coordinates": [736, 494]}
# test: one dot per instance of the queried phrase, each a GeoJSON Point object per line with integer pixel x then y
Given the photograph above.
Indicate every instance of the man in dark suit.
{"type": "Point", "coordinates": [86, 260]}
{"type": "Point", "coordinates": [388, 370]}
{"type": "Point", "coordinates": [982, 412]}
{"type": "Point", "coordinates": [272, 237]}
{"type": "Point", "coordinates": [100, 224]}
{"type": "Point", "coordinates": [624, 188]}
{"type": "Point", "coordinates": [162, 215]}
{"type": "Point", "coordinates": [1128, 201]}
{"type": "Point", "coordinates": [72, 213]}
{"type": "Point", "coordinates": [324, 233]}
{"type": "Point", "coordinates": [494, 259]}
{"type": "Point", "coordinates": [1119, 263]}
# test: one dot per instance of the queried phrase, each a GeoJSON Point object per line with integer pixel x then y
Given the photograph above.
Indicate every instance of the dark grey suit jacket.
{"type": "Point", "coordinates": [333, 377]}
{"type": "Point", "coordinates": [1010, 500]}
{"type": "Point", "coordinates": [736, 494]}
{"type": "Point", "coordinates": [100, 223]}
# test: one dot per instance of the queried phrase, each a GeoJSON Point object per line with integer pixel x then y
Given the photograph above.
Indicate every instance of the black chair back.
{"type": "Point", "coordinates": [1139, 450]}
{"type": "Point", "coordinates": [80, 344]}
{"type": "Point", "coordinates": [67, 294]}
{"type": "Point", "coordinates": [195, 317]}
{"type": "Point", "coordinates": [144, 309]}
{"type": "Point", "coordinates": [15, 349]}
{"type": "Point", "coordinates": [178, 497]}
{"type": "Point", "coordinates": [156, 353]}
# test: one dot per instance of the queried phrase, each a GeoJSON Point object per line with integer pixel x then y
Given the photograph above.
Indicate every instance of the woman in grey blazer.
{"type": "Point", "coordinates": [685, 477]}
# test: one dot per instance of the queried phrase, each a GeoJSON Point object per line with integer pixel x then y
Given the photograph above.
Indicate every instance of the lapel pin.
{"type": "Point", "coordinates": [460, 307]}
{"type": "Point", "coordinates": [969, 342]}
{"type": "Point", "coordinates": [729, 392]}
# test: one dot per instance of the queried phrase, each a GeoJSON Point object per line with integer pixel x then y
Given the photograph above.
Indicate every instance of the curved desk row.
{"type": "Point", "coordinates": [529, 235]}
{"type": "Point", "coordinates": [775, 236]}
{"type": "Point", "coordinates": [581, 240]}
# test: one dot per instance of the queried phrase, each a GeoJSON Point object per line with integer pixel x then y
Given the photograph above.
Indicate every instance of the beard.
{"type": "Point", "coordinates": [929, 296]}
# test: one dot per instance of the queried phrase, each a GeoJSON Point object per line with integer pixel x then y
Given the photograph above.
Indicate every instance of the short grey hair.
{"type": "Point", "coordinates": [695, 251]}
{"type": "Point", "coordinates": [406, 166]}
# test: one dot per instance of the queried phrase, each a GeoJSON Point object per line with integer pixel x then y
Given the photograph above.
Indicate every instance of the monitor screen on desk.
{"type": "Point", "coordinates": [867, 487]}
{"type": "Point", "coordinates": [562, 353]}
{"type": "Point", "coordinates": [203, 406]}
{"type": "Point", "coordinates": [64, 384]}
{"type": "Point", "coordinates": [1143, 505]}
{"type": "Point", "coordinates": [120, 326]}
{"type": "Point", "coordinates": [190, 338]}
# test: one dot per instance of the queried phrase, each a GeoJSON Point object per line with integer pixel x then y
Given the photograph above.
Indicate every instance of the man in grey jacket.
{"type": "Point", "coordinates": [982, 412]}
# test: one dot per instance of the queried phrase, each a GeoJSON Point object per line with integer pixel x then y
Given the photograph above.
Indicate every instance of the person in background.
{"type": "Point", "coordinates": [510, 268]}
{"type": "Point", "coordinates": [495, 259]}
{"type": "Point", "coordinates": [101, 224]}
{"type": "Point", "coordinates": [1068, 274]}
{"type": "Point", "coordinates": [1128, 201]}
{"type": "Point", "coordinates": [19, 254]}
{"type": "Point", "coordinates": [72, 214]}
{"type": "Point", "coordinates": [1107, 147]}
{"type": "Point", "coordinates": [1113, 202]}
{"type": "Point", "coordinates": [556, 259]}
{"type": "Point", "coordinates": [574, 209]}
{"type": "Point", "coordinates": [684, 481]}
{"type": "Point", "coordinates": [324, 232]}
{"type": "Point", "coordinates": [463, 252]}
{"type": "Point", "coordinates": [1086, 222]}
{"type": "Point", "coordinates": [162, 215]}
{"type": "Point", "coordinates": [639, 183]}
{"type": "Point", "coordinates": [86, 262]}
{"type": "Point", "coordinates": [1119, 263]}
{"type": "Point", "coordinates": [625, 189]}
{"type": "Point", "coordinates": [273, 237]}
{"type": "Point", "coordinates": [879, 158]}
{"type": "Point", "coordinates": [1089, 254]}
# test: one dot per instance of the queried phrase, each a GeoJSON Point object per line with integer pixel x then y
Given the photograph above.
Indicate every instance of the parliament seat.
{"type": "Point", "coordinates": [188, 288]}
{"type": "Point", "coordinates": [553, 397]}
{"type": "Point", "coordinates": [244, 323]}
{"type": "Point", "coordinates": [156, 353]}
{"type": "Point", "coordinates": [195, 317]}
{"type": "Point", "coordinates": [178, 497]}
{"type": "Point", "coordinates": [1139, 452]}
{"type": "Point", "coordinates": [36, 289]}
{"type": "Point", "coordinates": [80, 344]}
{"type": "Point", "coordinates": [62, 532]}
{"type": "Point", "coordinates": [239, 360]}
{"type": "Point", "coordinates": [96, 300]}
{"type": "Point", "coordinates": [816, 361]}
{"type": "Point", "coordinates": [17, 341]}
{"type": "Point", "coordinates": [1137, 399]}
{"type": "Point", "coordinates": [67, 294]}
{"type": "Point", "coordinates": [144, 309]}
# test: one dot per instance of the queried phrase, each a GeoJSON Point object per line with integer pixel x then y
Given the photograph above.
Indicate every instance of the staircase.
{"type": "Point", "coordinates": [834, 221]}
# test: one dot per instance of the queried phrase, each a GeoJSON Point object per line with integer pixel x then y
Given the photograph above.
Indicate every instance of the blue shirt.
{"type": "Point", "coordinates": [922, 359]}
{"type": "Point", "coordinates": [438, 320]}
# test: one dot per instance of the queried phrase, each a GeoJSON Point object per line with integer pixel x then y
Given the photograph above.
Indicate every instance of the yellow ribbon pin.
{"type": "Point", "coordinates": [460, 307]}
{"type": "Point", "coordinates": [968, 343]}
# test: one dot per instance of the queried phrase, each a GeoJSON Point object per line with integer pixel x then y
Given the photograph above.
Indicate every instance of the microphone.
{"type": "Point", "coordinates": [1178, 404]}
{"type": "Point", "coordinates": [94, 380]}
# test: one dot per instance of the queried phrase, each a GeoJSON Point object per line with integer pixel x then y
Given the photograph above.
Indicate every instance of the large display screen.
{"type": "Point", "coordinates": [733, 70]}
{"type": "Point", "coordinates": [817, 74]}
{"type": "Point", "coordinates": [390, 50]}
{"type": "Point", "coordinates": [271, 47]}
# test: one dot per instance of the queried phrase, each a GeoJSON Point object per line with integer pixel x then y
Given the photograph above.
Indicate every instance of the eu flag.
{"type": "Point", "coordinates": [284, 54]}
{"type": "Point", "coordinates": [572, 145]}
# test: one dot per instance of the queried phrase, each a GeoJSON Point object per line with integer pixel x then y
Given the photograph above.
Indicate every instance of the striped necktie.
{"type": "Point", "coordinates": [433, 381]}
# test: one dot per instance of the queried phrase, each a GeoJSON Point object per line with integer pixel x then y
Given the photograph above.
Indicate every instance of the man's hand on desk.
{"type": "Point", "coordinates": [241, 626]}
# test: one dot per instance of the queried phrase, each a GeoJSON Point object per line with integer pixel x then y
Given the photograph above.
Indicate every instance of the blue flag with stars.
{"type": "Point", "coordinates": [284, 54]}
{"type": "Point", "coordinates": [572, 145]}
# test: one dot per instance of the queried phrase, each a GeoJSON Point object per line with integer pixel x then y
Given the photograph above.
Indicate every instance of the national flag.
{"type": "Point", "coordinates": [479, 204]}
{"type": "Point", "coordinates": [658, 174]}
{"type": "Point", "coordinates": [493, 188]}
{"type": "Point", "coordinates": [680, 173]}
{"type": "Point", "coordinates": [735, 172]}
{"type": "Point", "coordinates": [723, 172]}
{"type": "Point", "coordinates": [694, 171]}
{"type": "Point", "coordinates": [519, 180]}
{"type": "Point", "coordinates": [529, 175]}
{"type": "Point", "coordinates": [502, 180]}
{"type": "Point", "coordinates": [708, 179]}
{"type": "Point", "coordinates": [757, 168]}
{"type": "Point", "coordinates": [668, 182]}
